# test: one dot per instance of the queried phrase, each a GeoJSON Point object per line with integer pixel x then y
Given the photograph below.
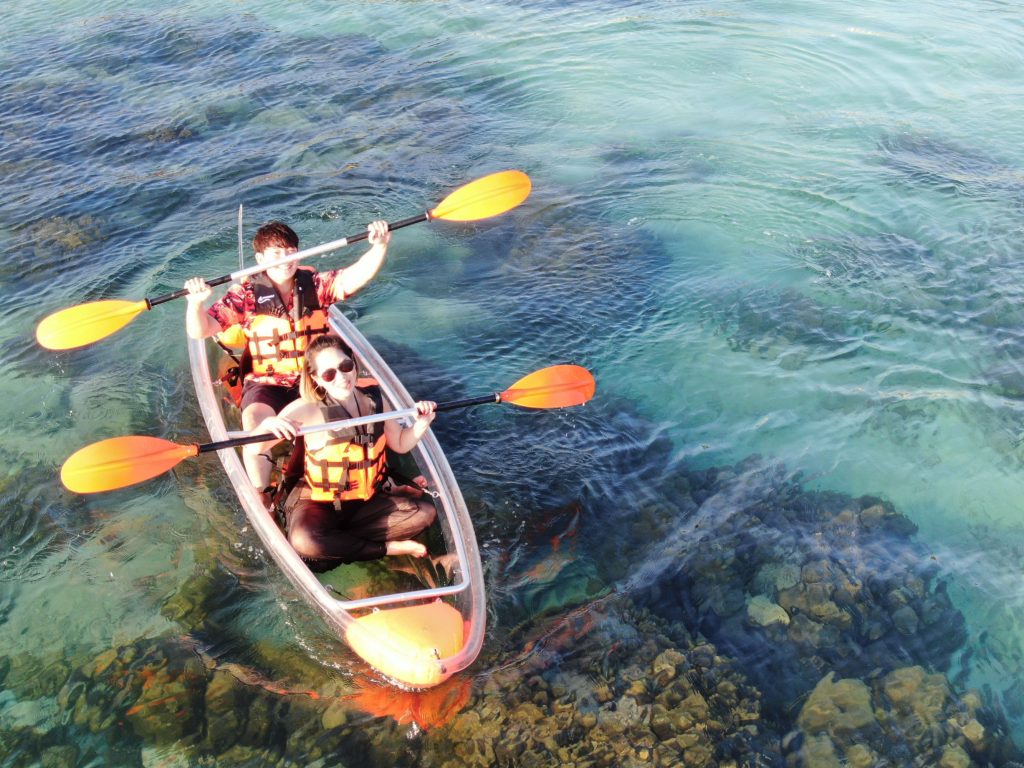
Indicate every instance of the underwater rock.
{"type": "Point", "coordinates": [60, 756]}
{"type": "Point", "coordinates": [172, 696]}
{"type": "Point", "coordinates": [28, 747]}
{"type": "Point", "coordinates": [860, 756]}
{"type": "Point", "coordinates": [58, 235]}
{"type": "Point", "coordinates": [943, 165]}
{"type": "Point", "coordinates": [762, 612]}
{"type": "Point", "coordinates": [787, 324]}
{"type": "Point", "coordinates": [837, 707]}
{"type": "Point", "coordinates": [156, 687]}
{"type": "Point", "coordinates": [188, 605]}
{"type": "Point", "coordinates": [803, 582]}
{"type": "Point", "coordinates": [774, 577]}
{"type": "Point", "coordinates": [473, 738]}
{"type": "Point", "coordinates": [819, 752]}
{"type": "Point", "coordinates": [34, 677]}
{"type": "Point", "coordinates": [953, 756]}
{"type": "Point", "coordinates": [626, 689]}
{"type": "Point", "coordinates": [226, 704]}
{"type": "Point", "coordinates": [908, 717]}
{"type": "Point", "coordinates": [1006, 379]}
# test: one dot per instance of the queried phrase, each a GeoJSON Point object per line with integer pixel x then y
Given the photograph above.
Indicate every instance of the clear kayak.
{"type": "Point", "coordinates": [416, 621]}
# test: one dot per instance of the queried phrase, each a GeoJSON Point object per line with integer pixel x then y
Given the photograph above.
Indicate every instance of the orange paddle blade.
{"type": "Point", "coordinates": [77, 326]}
{"type": "Point", "coordinates": [558, 386]}
{"type": "Point", "coordinates": [120, 462]}
{"type": "Point", "coordinates": [485, 197]}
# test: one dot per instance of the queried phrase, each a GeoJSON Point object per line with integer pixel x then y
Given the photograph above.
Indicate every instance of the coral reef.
{"type": "Point", "coordinates": [907, 717]}
{"type": "Point", "coordinates": [806, 582]}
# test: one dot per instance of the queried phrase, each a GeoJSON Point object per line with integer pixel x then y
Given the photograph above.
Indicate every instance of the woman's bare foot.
{"type": "Point", "coordinates": [406, 547]}
{"type": "Point", "coordinates": [415, 490]}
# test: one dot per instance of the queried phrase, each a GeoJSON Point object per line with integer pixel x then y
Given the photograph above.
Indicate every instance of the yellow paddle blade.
{"type": "Point", "coordinates": [77, 326]}
{"type": "Point", "coordinates": [558, 386]}
{"type": "Point", "coordinates": [120, 462]}
{"type": "Point", "coordinates": [484, 197]}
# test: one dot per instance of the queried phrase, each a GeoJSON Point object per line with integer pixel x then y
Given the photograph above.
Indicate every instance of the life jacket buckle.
{"type": "Point", "coordinates": [343, 477]}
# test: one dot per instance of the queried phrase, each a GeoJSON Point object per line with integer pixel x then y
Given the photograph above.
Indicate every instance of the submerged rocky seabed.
{"type": "Point", "coordinates": [732, 617]}
{"type": "Point", "coordinates": [800, 628]}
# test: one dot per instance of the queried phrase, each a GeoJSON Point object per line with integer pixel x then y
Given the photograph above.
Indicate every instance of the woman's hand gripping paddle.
{"type": "Point", "coordinates": [123, 461]}
{"type": "Point", "coordinates": [81, 325]}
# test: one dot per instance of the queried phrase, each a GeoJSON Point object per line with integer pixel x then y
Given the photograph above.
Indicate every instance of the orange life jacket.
{"type": "Point", "coordinates": [276, 340]}
{"type": "Point", "coordinates": [353, 462]}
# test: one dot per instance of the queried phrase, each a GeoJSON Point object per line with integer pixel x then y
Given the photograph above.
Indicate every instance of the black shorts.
{"type": "Point", "coordinates": [275, 396]}
{"type": "Point", "coordinates": [360, 530]}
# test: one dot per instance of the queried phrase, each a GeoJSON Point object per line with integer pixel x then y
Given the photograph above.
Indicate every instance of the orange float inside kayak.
{"type": "Point", "coordinates": [408, 643]}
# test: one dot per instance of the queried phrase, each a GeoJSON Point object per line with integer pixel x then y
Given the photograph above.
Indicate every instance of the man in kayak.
{"type": "Point", "coordinates": [340, 513]}
{"type": "Point", "coordinates": [279, 312]}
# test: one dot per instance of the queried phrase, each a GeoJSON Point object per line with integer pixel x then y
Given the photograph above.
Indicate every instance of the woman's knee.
{"type": "Point", "coordinates": [421, 514]}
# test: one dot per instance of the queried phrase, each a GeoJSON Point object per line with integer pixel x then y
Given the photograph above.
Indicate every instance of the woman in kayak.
{"type": "Point", "coordinates": [339, 513]}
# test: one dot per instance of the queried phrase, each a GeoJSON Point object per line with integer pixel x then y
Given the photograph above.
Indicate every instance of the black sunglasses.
{"type": "Point", "coordinates": [328, 374]}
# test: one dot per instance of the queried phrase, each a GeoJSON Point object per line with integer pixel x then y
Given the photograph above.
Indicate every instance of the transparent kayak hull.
{"type": "Point", "coordinates": [417, 637]}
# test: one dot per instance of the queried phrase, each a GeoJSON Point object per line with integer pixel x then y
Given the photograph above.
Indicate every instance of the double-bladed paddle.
{"type": "Point", "coordinates": [83, 324]}
{"type": "Point", "coordinates": [123, 461]}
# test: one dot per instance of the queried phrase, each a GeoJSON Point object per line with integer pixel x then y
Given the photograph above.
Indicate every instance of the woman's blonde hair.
{"type": "Point", "coordinates": [309, 389]}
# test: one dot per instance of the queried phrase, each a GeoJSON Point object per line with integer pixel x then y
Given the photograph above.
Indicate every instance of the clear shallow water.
{"type": "Point", "coordinates": [767, 229]}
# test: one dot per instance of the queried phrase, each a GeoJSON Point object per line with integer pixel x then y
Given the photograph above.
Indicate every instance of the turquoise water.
{"type": "Point", "coordinates": [769, 229]}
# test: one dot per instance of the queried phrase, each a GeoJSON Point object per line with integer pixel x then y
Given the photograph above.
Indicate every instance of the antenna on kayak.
{"type": "Point", "coordinates": [241, 247]}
